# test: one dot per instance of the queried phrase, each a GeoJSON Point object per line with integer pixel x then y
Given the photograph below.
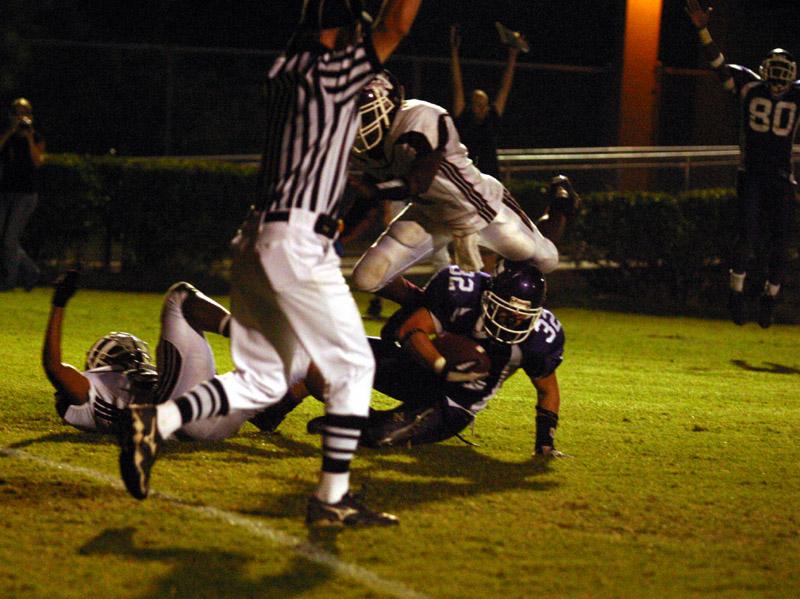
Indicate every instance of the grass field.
{"type": "Point", "coordinates": [685, 481]}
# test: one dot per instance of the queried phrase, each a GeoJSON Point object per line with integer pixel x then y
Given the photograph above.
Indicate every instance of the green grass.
{"type": "Point", "coordinates": [685, 480]}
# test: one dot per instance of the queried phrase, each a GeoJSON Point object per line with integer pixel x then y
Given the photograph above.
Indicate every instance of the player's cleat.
{"type": "Point", "coordinates": [139, 442]}
{"type": "Point", "coordinates": [736, 306]}
{"type": "Point", "coordinates": [766, 306]}
{"type": "Point", "coordinates": [348, 511]}
{"type": "Point", "coordinates": [550, 454]}
{"type": "Point", "coordinates": [269, 419]}
{"type": "Point", "coordinates": [403, 434]}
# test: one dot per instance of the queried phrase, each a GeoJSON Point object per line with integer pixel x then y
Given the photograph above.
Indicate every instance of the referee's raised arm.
{"type": "Point", "coordinates": [393, 24]}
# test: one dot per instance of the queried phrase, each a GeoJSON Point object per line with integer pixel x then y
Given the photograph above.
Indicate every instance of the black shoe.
{"type": "Point", "coordinates": [374, 308]}
{"type": "Point", "coordinates": [316, 426]}
{"type": "Point", "coordinates": [269, 419]}
{"type": "Point", "coordinates": [410, 425]}
{"type": "Point", "coordinates": [766, 306]}
{"type": "Point", "coordinates": [139, 442]}
{"type": "Point", "coordinates": [348, 511]}
{"type": "Point", "coordinates": [736, 305]}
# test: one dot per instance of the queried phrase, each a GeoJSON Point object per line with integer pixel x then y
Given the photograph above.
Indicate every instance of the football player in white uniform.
{"type": "Point", "coordinates": [119, 368]}
{"type": "Point", "coordinates": [410, 150]}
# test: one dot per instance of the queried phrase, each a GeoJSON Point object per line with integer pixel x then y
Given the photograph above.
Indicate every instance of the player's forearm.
{"type": "Point", "coordinates": [419, 345]}
{"type": "Point", "coordinates": [715, 58]}
{"type": "Point", "coordinates": [414, 337]}
{"type": "Point", "coordinates": [423, 171]}
{"type": "Point", "coordinates": [548, 402]}
{"type": "Point", "coordinates": [51, 351]}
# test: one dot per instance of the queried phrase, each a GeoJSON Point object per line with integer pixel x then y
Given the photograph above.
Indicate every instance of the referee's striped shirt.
{"type": "Point", "coordinates": [312, 119]}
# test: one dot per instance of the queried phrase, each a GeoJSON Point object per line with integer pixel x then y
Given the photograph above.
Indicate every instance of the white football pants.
{"type": "Point", "coordinates": [413, 236]}
{"type": "Point", "coordinates": [185, 360]}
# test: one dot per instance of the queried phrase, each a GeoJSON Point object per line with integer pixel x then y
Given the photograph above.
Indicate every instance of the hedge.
{"type": "Point", "coordinates": [176, 218]}
{"type": "Point", "coordinates": [163, 218]}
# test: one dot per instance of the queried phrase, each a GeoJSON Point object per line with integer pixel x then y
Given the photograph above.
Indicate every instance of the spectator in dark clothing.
{"type": "Point", "coordinates": [479, 123]}
{"type": "Point", "coordinates": [21, 155]}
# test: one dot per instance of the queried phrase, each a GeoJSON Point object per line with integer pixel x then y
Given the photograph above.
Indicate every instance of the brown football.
{"type": "Point", "coordinates": [461, 350]}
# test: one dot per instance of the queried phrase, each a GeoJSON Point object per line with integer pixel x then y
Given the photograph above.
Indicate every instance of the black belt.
{"type": "Point", "coordinates": [325, 225]}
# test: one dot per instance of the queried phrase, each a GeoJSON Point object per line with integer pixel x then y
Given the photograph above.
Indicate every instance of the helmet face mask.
{"type": "Point", "coordinates": [377, 107]}
{"type": "Point", "coordinates": [513, 303]}
{"type": "Point", "coordinates": [508, 321]}
{"type": "Point", "coordinates": [779, 70]}
{"type": "Point", "coordinates": [121, 351]}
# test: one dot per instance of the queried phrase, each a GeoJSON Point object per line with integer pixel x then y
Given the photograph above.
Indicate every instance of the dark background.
{"type": "Point", "coordinates": [134, 76]}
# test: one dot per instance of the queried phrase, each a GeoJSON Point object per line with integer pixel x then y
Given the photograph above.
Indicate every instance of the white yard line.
{"type": "Point", "coordinates": [309, 551]}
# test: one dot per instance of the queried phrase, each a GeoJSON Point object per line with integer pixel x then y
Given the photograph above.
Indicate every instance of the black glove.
{"type": "Point", "coordinates": [66, 286]}
{"type": "Point", "coordinates": [563, 198]}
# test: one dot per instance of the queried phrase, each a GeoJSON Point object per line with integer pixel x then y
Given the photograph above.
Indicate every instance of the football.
{"type": "Point", "coordinates": [465, 354]}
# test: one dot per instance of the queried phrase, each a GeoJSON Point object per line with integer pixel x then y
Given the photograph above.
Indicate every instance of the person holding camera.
{"type": "Point", "coordinates": [21, 155]}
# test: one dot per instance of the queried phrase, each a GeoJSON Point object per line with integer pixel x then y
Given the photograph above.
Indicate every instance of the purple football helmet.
{"type": "Point", "coordinates": [513, 302]}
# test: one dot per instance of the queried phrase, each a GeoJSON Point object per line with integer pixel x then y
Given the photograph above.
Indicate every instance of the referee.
{"type": "Point", "coordinates": [289, 300]}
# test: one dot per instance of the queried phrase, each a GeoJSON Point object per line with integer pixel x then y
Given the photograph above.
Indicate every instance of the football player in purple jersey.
{"type": "Point", "coordinates": [504, 315]}
{"type": "Point", "coordinates": [769, 118]}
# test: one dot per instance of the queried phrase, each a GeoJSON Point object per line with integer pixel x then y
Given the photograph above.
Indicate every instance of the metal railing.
{"type": "Point", "coordinates": [521, 162]}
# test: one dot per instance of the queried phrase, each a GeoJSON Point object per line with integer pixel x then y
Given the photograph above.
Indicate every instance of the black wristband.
{"type": "Point", "coordinates": [546, 424]}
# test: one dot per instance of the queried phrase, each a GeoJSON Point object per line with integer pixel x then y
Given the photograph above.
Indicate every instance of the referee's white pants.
{"type": "Point", "coordinates": [414, 235]}
{"type": "Point", "coordinates": [291, 305]}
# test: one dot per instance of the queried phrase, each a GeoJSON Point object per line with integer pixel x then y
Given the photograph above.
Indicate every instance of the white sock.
{"type": "Point", "coordinates": [737, 281]}
{"type": "Point", "coordinates": [168, 419]}
{"type": "Point", "coordinates": [771, 289]}
{"type": "Point", "coordinates": [333, 486]}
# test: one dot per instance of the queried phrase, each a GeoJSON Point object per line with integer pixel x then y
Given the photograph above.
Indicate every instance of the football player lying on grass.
{"type": "Point", "coordinates": [119, 369]}
{"type": "Point", "coordinates": [489, 327]}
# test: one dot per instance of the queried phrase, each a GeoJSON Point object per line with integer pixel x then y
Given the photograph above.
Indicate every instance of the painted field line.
{"type": "Point", "coordinates": [309, 551]}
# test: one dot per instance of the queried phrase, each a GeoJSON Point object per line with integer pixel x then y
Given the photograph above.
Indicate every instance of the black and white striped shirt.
{"type": "Point", "coordinates": [312, 118]}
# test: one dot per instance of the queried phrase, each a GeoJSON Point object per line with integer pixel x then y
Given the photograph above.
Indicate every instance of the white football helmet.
{"type": "Point", "coordinates": [377, 105]}
{"type": "Point", "coordinates": [122, 351]}
{"type": "Point", "coordinates": [779, 70]}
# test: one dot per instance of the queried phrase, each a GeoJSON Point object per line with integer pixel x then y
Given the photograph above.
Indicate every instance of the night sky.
{"type": "Point", "coordinates": [124, 89]}
{"type": "Point", "coordinates": [560, 31]}
{"type": "Point", "coordinates": [565, 31]}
